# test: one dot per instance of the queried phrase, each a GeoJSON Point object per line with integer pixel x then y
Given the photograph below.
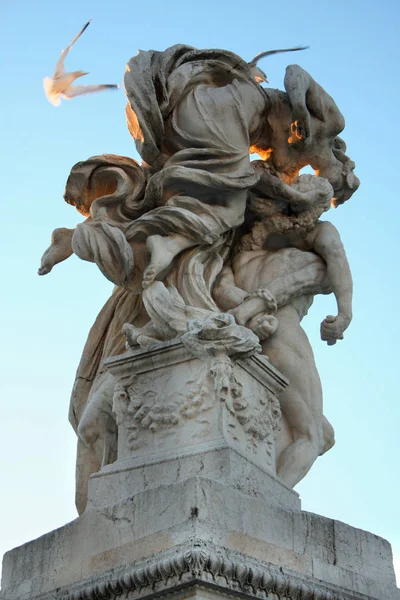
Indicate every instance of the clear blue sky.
{"type": "Point", "coordinates": [355, 55]}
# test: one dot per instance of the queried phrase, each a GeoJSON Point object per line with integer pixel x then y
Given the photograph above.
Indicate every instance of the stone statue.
{"type": "Point", "coordinates": [198, 229]}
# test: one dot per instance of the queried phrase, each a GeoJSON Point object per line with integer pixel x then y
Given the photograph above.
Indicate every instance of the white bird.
{"type": "Point", "coordinates": [60, 85]}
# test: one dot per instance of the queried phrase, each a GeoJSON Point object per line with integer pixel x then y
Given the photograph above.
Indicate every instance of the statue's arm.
{"type": "Point", "coordinates": [225, 292]}
{"type": "Point", "coordinates": [270, 186]}
{"type": "Point", "coordinates": [327, 243]}
{"type": "Point", "coordinates": [308, 97]}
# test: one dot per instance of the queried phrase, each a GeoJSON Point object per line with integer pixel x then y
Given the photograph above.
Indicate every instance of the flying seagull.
{"type": "Point", "coordinates": [259, 75]}
{"type": "Point", "coordinates": [60, 85]}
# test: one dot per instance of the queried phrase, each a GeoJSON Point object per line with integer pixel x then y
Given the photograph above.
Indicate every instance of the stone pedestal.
{"type": "Point", "coordinates": [193, 508]}
{"type": "Point", "coordinates": [170, 403]}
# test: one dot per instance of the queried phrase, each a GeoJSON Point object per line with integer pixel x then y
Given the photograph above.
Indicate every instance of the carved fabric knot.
{"type": "Point", "coordinates": [219, 334]}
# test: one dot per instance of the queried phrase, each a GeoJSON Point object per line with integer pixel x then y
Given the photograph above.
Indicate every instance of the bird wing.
{"type": "Point", "coordinates": [261, 55]}
{"type": "Point", "coordinates": [79, 90]}
{"type": "Point", "coordinates": [59, 70]}
{"type": "Point", "coordinates": [52, 96]}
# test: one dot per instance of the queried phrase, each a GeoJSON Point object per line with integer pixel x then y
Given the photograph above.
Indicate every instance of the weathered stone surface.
{"type": "Point", "coordinates": [127, 478]}
{"type": "Point", "coordinates": [198, 501]}
{"type": "Point", "coordinates": [203, 530]}
{"type": "Point", "coordinates": [168, 402]}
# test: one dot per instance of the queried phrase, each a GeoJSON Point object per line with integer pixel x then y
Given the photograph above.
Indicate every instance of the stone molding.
{"type": "Point", "coordinates": [207, 566]}
{"type": "Point", "coordinates": [174, 352]}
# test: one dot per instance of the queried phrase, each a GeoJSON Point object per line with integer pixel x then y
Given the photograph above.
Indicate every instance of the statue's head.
{"type": "Point", "coordinates": [340, 173]}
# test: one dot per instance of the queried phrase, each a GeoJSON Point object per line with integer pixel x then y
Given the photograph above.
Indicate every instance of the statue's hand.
{"type": "Point", "coordinates": [246, 310]}
{"type": "Point", "coordinates": [264, 326]}
{"type": "Point", "coordinates": [256, 303]}
{"type": "Point", "coordinates": [313, 191]}
{"type": "Point", "coordinates": [332, 328]}
{"type": "Point", "coordinates": [300, 126]}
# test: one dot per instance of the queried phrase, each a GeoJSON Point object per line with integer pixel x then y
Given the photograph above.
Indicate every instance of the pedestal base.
{"type": "Point", "coordinates": [223, 527]}
{"type": "Point", "coordinates": [192, 507]}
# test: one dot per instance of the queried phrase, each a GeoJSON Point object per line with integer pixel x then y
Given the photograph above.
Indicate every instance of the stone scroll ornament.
{"type": "Point", "coordinates": [199, 230]}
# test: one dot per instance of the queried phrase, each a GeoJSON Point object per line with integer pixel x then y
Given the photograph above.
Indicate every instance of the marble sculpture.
{"type": "Point", "coordinates": [200, 233]}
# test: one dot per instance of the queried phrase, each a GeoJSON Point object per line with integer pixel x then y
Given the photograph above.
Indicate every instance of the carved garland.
{"type": "Point", "coordinates": [197, 563]}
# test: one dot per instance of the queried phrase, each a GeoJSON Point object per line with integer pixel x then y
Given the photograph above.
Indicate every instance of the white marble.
{"type": "Point", "coordinates": [169, 403]}
{"type": "Point", "coordinates": [197, 403]}
{"type": "Point", "coordinates": [197, 229]}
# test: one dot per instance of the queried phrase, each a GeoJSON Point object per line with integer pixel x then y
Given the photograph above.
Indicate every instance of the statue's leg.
{"type": "Point", "coordinates": [296, 460]}
{"type": "Point", "coordinates": [328, 434]}
{"type": "Point", "coordinates": [289, 351]}
{"type": "Point", "coordinates": [96, 426]}
{"type": "Point", "coordinates": [60, 249]}
{"type": "Point", "coordinates": [86, 464]}
{"type": "Point", "coordinates": [162, 252]}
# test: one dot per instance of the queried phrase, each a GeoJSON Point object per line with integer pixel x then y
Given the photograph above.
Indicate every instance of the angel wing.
{"type": "Point", "coordinates": [59, 70]}
{"type": "Point", "coordinates": [261, 55]}
{"type": "Point", "coordinates": [79, 90]}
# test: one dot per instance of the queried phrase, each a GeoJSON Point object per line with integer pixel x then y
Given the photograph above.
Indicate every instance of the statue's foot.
{"type": "Point", "coordinates": [131, 334]}
{"type": "Point", "coordinates": [161, 258]}
{"type": "Point", "coordinates": [45, 268]}
{"type": "Point", "coordinates": [47, 261]}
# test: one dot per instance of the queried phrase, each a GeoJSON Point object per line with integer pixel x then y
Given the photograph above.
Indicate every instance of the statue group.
{"type": "Point", "coordinates": [199, 232]}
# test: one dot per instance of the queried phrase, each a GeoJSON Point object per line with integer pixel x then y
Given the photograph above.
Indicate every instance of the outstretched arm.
{"type": "Point", "coordinates": [307, 98]}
